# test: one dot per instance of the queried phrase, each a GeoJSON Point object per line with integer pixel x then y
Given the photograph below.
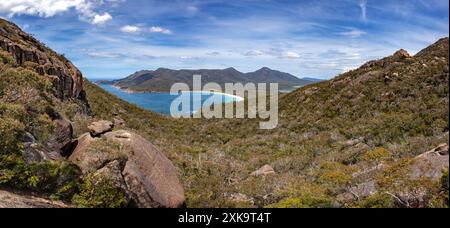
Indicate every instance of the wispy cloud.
{"type": "Point", "coordinates": [136, 29]}
{"type": "Point", "coordinates": [105, 55]}
{"type": "Point", "coordinates": [254, 53]}
{"type": "Point", "coordinates": [353, 33]}
{"type": "Point", "coordinates": [363, 6]}
{"type": "Point", "coordinates": [290, 55]}
{"type": "Point", "coordinates": [213, 53]}
{"type": "Point", "coordinates": [157, 29]}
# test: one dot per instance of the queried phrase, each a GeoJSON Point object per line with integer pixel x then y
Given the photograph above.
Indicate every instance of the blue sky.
{"type": "Point", "coordinates": [307, 38]}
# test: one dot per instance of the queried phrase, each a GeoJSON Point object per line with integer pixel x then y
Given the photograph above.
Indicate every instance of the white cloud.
{"type": "Point", "coordinates": [354, 33]}
{"type": "Point", "coordinates": [290, 55]}
{"type": "Point", "coordinates": [50, 8]}
{"type": "Point", "coordinates": [363, 6]}
{"type": "Point", "coordinates": [42, 8]}
{"type": "Point", "coordinates": [157, 29]}
{"type": "Point", "coordinates": [140, 28]}
{"type": "Point", "coordinates": [192, 9]}
{"type": "Point", "coordinates": [104, 54]}
{"type": "Point", "coordinates": [131, 29]}
{"type": "Point", "coordinates": [254, 53]}
{"type": "Point", "coordinates": [101, 19]}
{"type": "Point", "coordinates": [214, 53]}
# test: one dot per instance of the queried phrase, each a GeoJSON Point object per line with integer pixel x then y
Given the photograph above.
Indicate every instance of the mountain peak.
{"type": "Point", "coordinates": [231, 69]}
{"type": "Point", "coordinates": [162, 69]}
{"type": "Point", "coordinates": [265, 69]}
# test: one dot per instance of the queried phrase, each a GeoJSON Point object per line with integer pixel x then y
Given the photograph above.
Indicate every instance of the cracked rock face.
{"type": "Point", "coordinates": [29, 52]}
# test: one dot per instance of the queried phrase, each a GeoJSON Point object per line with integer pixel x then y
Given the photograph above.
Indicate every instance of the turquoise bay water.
{"type": "Point", "coordinates": [161, 102]}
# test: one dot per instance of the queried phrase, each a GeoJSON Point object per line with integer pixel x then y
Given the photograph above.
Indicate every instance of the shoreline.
{"type": "Point", "coordinates": [237, 98]}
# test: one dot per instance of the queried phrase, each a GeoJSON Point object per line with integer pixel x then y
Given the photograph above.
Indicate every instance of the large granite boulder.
{"type": "Point", "coordinates": [91, 154]}
{"type": "Point", "coordinates": [150, 178]}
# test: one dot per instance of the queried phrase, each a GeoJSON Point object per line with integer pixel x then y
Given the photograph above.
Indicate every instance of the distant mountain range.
{"type": "Point", "coordinates": [162, 79]}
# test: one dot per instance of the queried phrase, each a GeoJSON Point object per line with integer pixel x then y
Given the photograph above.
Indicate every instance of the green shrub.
{"type": "Point", "coordinates": [376, 156]}
{"type": "Point", "coordinates": [305, 196]}
{"type": "Point", "coordinates": [58, 180]}
{"type": "Point", "coordinates": [6, 58]}
{"type": "Point", "coordinates": [335, 176]}
{"type": "Point", "coordinates": [378, 200]}
{"type": "Point", "coordinates": [10, 132]}
{"type": "Point", "coordinates": [95, 193]}
{"type": "Point", "coordinates": [445, 184]}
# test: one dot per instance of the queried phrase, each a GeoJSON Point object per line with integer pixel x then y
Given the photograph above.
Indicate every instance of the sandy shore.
{"type": "Point", "coordinates": [236, 98]}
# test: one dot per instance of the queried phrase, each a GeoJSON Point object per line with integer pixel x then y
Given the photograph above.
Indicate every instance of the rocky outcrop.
{"type": "Point", "coordinates": [150, 179]}
{"type": "Point", "coordinates": [432, 163]}
{"type": "Point", "coordinates": [59, 145]}
{"type": "Point", "coordinates": [100, 127]}
{"type": "Point", "coordinates": [60, 141]}
{"type": "Point", "coordinates": [30, 53]}
{"type": "Point", "coordinates": [118, 122]}
{"type": "Point", "coordinates": [402, 54]}
{"type": "Point", "coordinates": [11, 200]}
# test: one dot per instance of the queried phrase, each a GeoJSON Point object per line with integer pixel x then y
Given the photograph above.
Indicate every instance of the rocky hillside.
{"type": "Point", "coordinates": [23, 50]}
{"type": "Point", "coordinates": [162, 79]}
{"type": "Point", "coordinates": [43, 162]}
